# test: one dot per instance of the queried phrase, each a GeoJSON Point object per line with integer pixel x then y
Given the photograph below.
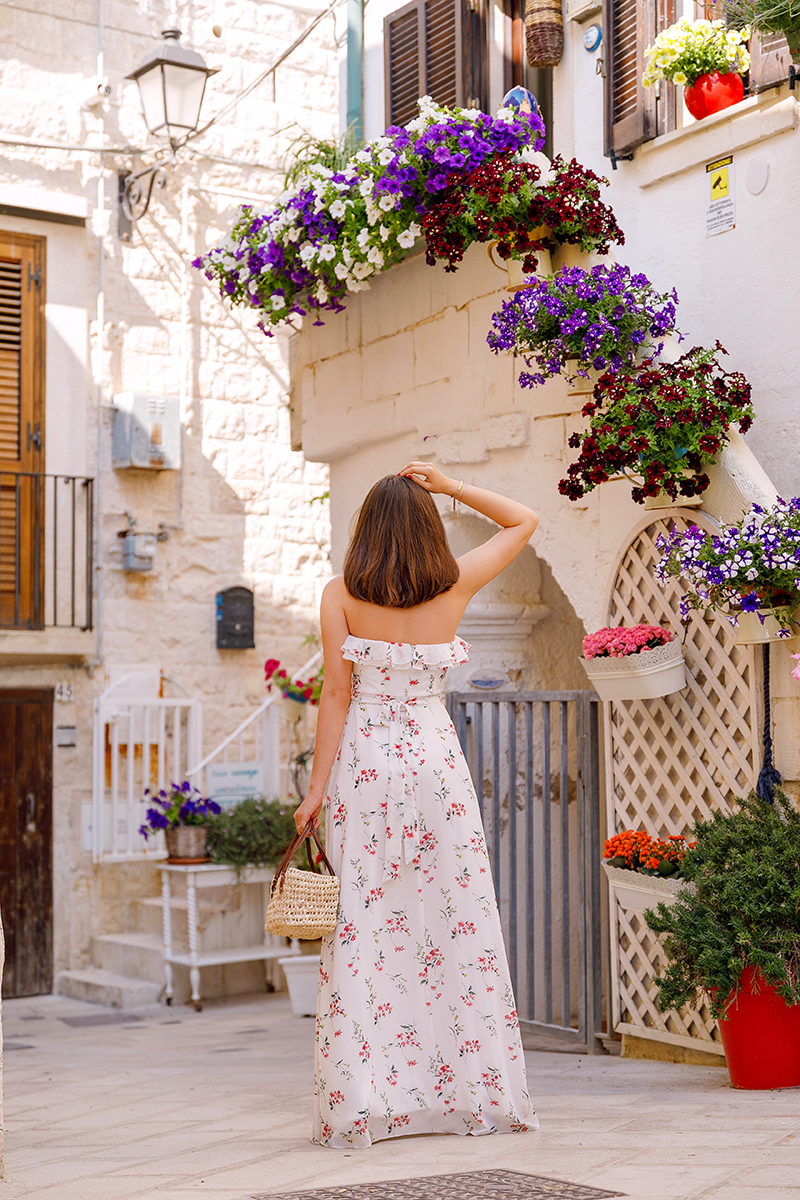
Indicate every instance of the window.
{"type": "Point", "coordinates": [635, 114]}
{"type": "Point", "coordinates": [437, 48]}
{"type": "Point", "coordinates": [21, 425]}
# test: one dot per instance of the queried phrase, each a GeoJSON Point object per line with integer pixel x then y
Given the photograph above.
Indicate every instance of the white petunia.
{"type": "Point", "coordinates": [326, 253]}
{"type": "Point", "coordinates": [406, 239]}
{"type": "Point", "coordinates": [385, 157]}
{"type": "Point", "coordinates": [337, 209]}
{"type": "Point", "coordinates": [362, 269]}
{"type": "Point", "coordinates": [384, 232]}
{"type": "Point", "coordinates": [386, 202]}
{"type": "Point", "coordinates": [277, 302]}
{"type": "Point", "coordinates": [374, 255]}
{"type": "Point", "coordinates": [341, 270]}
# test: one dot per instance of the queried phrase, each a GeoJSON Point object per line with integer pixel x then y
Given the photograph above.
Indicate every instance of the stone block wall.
{"type": "Point", "coordinates": [245, 509]}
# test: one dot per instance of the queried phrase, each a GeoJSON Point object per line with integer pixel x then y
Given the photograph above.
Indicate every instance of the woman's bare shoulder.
{"type": "Point", "coordinates": [335, 594]}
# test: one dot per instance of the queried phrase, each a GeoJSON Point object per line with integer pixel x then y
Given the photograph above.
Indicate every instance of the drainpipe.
{"type": "Point", "coordinates": [355, 45]}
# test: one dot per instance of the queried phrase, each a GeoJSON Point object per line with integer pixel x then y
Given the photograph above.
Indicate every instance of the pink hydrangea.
{"type": "Point", "coordinates": [619, 642]}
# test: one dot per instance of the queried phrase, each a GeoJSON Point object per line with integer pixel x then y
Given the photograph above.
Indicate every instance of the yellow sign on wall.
{"type": "Point", "coordinates": [720, 196]}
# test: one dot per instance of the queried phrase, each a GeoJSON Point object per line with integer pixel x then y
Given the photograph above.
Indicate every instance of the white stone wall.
{"type": "Point", "coordinates": [241, 511]}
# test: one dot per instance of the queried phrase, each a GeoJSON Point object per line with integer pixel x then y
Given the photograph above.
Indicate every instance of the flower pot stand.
{"type": "Point", "coordinates": [206, 876]}
{"type": "Point", "coordinates": [761, 1036]}
{"type": "Point", "coordinates": [302, 980]}
{"type": "Point", "coordinates": [637, 892]}
{"type": "Point", "coordinates": [751, 632]}
{"type": "Point", "coordinates": [642, 676]}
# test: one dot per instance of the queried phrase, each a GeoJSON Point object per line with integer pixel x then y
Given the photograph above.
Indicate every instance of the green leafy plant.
{"type": "Point", "coordinates": [254, 832]}
{"type": "Point", "coordinates": [307, 153]}
{"type": "Point", "coordinates": [744, 909]}
{"type": "Point", "coordinates": [769, 16]}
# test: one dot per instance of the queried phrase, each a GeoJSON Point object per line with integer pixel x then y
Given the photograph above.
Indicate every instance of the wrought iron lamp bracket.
{"type": "Point", "coordinates": [138, 187]}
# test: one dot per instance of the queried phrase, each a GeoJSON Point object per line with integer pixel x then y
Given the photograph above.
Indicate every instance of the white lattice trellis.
{"type": "Point", "coordinates": [671, 761]}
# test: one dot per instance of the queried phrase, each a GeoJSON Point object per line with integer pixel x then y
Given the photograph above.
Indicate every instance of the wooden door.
{"type": "Point", "coordinates": [22, 264]}
{"type": "Point", "coordinates": [26, 838]}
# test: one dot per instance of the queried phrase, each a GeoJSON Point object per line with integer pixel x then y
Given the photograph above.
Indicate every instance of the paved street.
{"type": "Point", "coordinates": [181, 1105]}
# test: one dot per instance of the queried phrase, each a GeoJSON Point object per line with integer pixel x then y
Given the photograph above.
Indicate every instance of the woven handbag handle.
{"type": "Point", "coordinates": [308, 833]}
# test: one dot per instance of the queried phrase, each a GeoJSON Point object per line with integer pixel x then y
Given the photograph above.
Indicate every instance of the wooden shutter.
{"type": "Point", "coordinates": [437, 48]}
{"type": "Point", "coordinates": [443, 64]}
{"type": "Point", "coordinates": [770, 59]}
{"type": "Point", "coordinates": [634, 113]}
{"type": "Point", "coordinates": [404, 56]}
{"type": "Point", "coordinates": [21, 425]}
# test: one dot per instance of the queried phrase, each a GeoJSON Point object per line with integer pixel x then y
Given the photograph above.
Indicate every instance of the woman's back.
{"type": "Point", "coordinates": [431, 623]}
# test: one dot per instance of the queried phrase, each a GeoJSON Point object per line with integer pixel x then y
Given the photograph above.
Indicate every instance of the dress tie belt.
{"type": "Point", "coordinates": [402, 813]}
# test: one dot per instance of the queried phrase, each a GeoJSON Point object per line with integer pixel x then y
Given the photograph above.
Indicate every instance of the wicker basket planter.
{"type": "Point", "coordinates": [187, 844]}
{"type": "Point", "coordinates": [302, 980]}
{"type": "Point", "coordinates": [641, 676]}
{"type": "Point", "coordinates": [637, 892]}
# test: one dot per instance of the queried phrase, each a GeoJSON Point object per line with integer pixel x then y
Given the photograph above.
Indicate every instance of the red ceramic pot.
{"type": "Point", "coordinates": [761, 1036]}
{"type": "Point", "coordinates": [711, 93]}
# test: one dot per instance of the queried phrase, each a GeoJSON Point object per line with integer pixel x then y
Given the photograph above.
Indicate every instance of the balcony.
{"type": "Point", "coordinates": [46, 567]}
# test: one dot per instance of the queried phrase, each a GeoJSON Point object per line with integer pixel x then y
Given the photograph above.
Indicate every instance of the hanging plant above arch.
{"type": "Point", "coordinates": [659, 424]}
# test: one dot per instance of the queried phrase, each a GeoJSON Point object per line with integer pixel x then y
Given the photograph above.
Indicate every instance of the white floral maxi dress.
{"type": "Point", "coordinates": [416, 1030]}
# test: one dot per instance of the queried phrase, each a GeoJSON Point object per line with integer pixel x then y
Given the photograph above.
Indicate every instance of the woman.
{"type": "Point", "coordinates": [417, 1030]}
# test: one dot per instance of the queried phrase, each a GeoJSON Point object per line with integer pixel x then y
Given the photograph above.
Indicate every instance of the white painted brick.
{"type": "Point", "coordinates": [508, 430]}
{"type": "Point", "coordinates": [440, 346]}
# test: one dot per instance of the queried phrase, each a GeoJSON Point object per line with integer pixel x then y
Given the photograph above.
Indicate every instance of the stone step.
{"type": "Point", "coordinates": [138, 955]}
{"type": "Point", "coordinates": [108, 988]}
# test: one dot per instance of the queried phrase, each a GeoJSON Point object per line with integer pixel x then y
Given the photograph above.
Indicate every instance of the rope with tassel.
{"type": "Point", "coordinates": [769, 777]}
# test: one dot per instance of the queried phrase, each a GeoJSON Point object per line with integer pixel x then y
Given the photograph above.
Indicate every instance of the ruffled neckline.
{"type": "Point", "coordinates": [405, 654]}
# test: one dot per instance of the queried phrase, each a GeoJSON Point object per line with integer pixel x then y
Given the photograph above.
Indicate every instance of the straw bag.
{"type": "Point", "coordinates": [303, 904]}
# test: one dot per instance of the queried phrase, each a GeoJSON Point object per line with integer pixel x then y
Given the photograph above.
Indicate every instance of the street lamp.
{"type": "Point", "coordinates": [172, 82]}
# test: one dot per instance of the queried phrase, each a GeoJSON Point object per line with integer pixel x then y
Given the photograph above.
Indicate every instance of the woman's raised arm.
{"type": "Point", "coordinates": [518, 523]}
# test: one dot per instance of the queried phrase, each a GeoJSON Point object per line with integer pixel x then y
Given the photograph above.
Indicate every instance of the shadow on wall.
{"type": "Point", "coordinates": [550, 657]}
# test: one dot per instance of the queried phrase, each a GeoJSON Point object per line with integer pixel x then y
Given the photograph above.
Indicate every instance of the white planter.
{"type": "Point", "coordinates": [292, 710]}
{"type": "Point", "coordinates": [662, 500]}
{"type": "Point", "coordinates": [302, 980]}
{"type": "Point", "coordinates": [750, 631]}
{"type": "Point", "coordinates": [641, 676]}
{"type": "Point", "coordinates": [637, 892]}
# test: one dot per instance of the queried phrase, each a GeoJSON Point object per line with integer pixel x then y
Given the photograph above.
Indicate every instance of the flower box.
{"type": "Point", "coordinates": [751, 632]}
{"type": "Point", "coordinates": [637, 892]}
{"type": "Point", "coordinates": [642, 676]}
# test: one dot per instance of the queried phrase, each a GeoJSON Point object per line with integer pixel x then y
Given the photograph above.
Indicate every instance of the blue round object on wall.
{"type": "Point", "coordinates": [521, 100]}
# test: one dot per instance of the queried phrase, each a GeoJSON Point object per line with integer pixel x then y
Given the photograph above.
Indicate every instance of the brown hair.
{"type": "Point", "coordinates": [398, 556]}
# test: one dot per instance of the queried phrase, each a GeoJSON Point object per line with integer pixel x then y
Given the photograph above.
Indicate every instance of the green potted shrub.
{"type": "Point", "coordinates": [735, 937]}
{"type": "Point", "coordinates": [254, 832]}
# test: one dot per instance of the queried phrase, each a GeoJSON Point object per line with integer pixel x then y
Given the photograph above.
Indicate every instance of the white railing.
{"type": "Point", "coordinates": [138, 744]}
{"type": "Point", "coordinates": [143, 741]}
{"type": "Point", "coordinates": [254, 748]}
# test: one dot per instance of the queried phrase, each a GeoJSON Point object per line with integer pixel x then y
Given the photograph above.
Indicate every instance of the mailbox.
{"type": "Point", "coordinates": [235, 619]}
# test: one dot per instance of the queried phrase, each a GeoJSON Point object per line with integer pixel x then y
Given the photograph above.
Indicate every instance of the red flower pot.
{"type": "Point", "coordinates": [761, 1036]}
{"type": "Point", "coordinates": [711, 93]}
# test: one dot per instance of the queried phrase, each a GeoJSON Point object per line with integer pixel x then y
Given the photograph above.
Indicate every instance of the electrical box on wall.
{"type": "Point", "coordinates": [581, 10]}
{"type": "Point", "coordinates": [147, 432]}
{"type": "Point", "coordinates": [138, 551]}
{"type": "Point", "coordinates": [235, 619]}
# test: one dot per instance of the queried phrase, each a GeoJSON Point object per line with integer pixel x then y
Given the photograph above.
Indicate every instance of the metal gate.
{"type": "Point", "coordinates": [534, 757]}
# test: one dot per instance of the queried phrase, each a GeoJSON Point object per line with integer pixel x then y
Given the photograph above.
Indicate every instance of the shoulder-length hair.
{"type": "Point", "coordinates": [398, 556]}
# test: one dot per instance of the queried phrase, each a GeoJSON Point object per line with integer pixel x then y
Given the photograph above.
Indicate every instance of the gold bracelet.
{"type": "Point", "coordinates": [456, 494]}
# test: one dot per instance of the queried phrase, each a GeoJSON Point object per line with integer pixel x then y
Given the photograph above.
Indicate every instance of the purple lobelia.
{"type": "Point", "coordinates": [753, 565]}
{"type": "Point", "coordinates": [604, 318]}
{"type": "Point", "coordinates": [179, 804]}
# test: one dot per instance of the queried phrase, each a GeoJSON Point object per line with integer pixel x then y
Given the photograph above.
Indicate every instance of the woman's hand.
{"type": "Point", "coordinates": [307, 811]}
{"type": "Point", "coordinates": [430, 477]}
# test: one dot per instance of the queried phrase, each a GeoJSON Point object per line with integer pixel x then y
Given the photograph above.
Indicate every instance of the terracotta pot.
{"type": "Point", "coordinates": [187, 844]}
{"type": "Point", "coordinates": [761, 1036]}
{"type": "Point", "coordinates": [711, 93]}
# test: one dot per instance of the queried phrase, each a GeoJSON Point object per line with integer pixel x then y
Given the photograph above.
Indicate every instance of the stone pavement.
{"type": "Point", "coordinates": [182, 1105]}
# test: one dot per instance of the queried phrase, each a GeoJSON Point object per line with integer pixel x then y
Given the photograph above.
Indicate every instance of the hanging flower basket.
{"type": "Point", "coordinates": [619, 671]}
{"type": "Point", "coordinates": [755, 628]}
{"type": "Point", "coordinates": [637, 892]}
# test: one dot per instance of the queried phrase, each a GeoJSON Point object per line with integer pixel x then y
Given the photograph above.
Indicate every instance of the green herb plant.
{"type": "Point", "coordinates": [744, 910]}
{"type": "Point", "coordinates": [254, 832]}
